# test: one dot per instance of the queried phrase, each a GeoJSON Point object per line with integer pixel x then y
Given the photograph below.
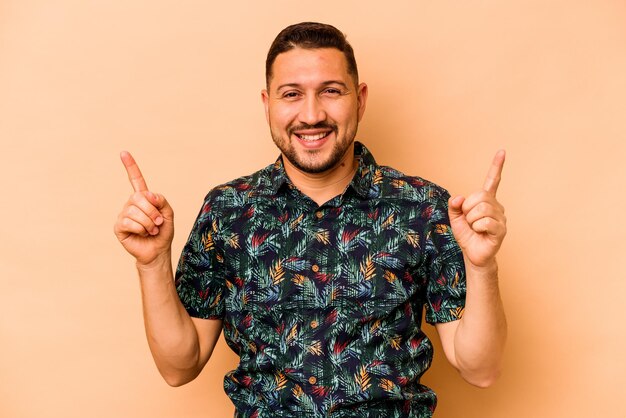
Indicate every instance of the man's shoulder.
{"type": "Point", "coordinates": [393, 183]}
{"type": "Point", "coordinates": [238, 191]}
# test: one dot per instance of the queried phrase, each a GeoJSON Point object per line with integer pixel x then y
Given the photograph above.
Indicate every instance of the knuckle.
{"type": "Point", "coordinates": [126, 224]}
{"type": "Point", "coordinates": [137, 198]}
{"type": "Point", "coordinates": [482, 207]}
{"type": "Point", "coordinates": [133, 211]}
{"type": "Point", "coordinates": [143, 205]}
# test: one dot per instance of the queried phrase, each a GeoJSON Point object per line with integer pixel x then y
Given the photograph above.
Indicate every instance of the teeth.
{"type": "Point", "coordinates": [313, 137]}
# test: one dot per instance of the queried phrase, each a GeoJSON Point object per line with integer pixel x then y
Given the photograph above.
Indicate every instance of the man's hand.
{"type": "Point", "coordinates": [478, 221]}
{"type": "Point", "coordinates": [145, 226]}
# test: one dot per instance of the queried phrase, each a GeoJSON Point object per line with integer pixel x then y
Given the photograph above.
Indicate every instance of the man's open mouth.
{"type": "Point", "coordinates": [315, 137]}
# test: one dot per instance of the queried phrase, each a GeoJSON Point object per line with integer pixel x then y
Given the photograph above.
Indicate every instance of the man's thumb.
{"type": "Point", "coordinates": [455, 207]}
{"type": "Point", "coordinates": [158, 201]}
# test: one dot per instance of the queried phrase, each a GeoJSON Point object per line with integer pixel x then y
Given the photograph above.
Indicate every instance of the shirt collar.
{"type": "Point", "coordinates": [361, 182]}
{"type": "Point", "coordinates": [278, 176]}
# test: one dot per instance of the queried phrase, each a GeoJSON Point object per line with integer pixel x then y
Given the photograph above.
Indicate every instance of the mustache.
{"type": "Point", "coordinates": [320, 125]}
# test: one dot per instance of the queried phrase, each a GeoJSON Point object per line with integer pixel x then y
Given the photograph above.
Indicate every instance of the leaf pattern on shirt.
{"type": "Point", "coordinates": [324, 304]}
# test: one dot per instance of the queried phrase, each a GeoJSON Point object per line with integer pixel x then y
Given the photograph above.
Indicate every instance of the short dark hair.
{"type": "Point", "coordinates": [310, 35]}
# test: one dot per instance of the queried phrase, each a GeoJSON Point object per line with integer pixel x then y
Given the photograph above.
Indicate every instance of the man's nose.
{"type": "Point", "coordinates": [312, 111]}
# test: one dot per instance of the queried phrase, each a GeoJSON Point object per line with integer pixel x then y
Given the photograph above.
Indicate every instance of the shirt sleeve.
{"type": "Point", "coordinates": [446, 285]}
{"type": "Point", "coordinates": [200, 273]}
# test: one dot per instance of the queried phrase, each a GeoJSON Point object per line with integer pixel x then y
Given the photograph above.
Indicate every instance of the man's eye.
{"type": "Point", "coordinates": [290, 95]}
{"type": "Point", "coordinates": [332, 91]}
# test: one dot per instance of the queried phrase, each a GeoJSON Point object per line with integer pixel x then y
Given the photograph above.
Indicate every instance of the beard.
{"type": "Point", "coordinates": [310, 162]}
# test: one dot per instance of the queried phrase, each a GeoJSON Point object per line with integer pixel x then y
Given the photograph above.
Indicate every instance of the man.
{"type": "Point", "coordinates": [318, 266]}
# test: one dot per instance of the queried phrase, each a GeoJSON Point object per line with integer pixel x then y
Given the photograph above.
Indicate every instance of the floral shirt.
{"type": "Point", "coordinates": [324, 304]}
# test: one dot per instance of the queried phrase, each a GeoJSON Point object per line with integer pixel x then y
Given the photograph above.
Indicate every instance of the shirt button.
{"type": "Point", "coordinates": [315, 268]}
{"type": "Point", "coordinates": [312, 380]}
{"type": "Point", "coordinates": [314, 324]}
{"type": "Point", "coordinates": [319, 214]}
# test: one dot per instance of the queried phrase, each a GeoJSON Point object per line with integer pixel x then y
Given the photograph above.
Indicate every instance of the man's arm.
{"type": "Point", "coordinates": [180, 345]}
{"type": "Point", "coordinates": [475, 343]}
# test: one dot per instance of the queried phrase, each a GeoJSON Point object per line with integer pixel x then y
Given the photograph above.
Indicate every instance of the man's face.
{"type": "Point", "coordinates": [313, 107]}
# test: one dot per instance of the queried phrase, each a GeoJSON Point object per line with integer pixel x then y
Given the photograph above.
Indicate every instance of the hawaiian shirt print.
{"type": "Point", "coordinates": [324, 304]}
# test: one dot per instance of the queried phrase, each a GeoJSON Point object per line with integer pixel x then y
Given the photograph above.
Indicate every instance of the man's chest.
{"type": "Point", "coordinates": [364, 258]}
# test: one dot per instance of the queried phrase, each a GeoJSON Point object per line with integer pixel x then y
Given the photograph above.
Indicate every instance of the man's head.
{"type": "Point", "coordinates": [313, 101]}
{"type": "Point", "coordinates": [310, 35]}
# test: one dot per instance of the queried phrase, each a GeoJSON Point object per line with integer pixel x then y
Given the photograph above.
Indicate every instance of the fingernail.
{"type": "Point", "coordinates": [154, 231]}
{"type": "Point", "coordinates": [158, 220]}
{"type": "Point", "coordinates": [151, 195]}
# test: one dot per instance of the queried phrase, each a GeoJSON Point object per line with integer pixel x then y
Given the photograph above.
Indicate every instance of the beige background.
{"type": "Point", "coordinates": [178, 84]}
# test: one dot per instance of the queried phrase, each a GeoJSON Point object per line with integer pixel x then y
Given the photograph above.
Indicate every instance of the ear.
{"type": "Point", "coordinates": [265, 97]}
{"type": "Point", "coordinates": [361, 100]}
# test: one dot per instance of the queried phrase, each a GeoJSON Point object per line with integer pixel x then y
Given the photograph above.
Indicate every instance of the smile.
{"type": "Point", "coordinates": [315, 137]}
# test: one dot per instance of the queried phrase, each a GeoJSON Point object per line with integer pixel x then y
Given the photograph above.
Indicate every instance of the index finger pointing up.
{"type": "Point", "coordinates": [134, 174]}
{"type": "Point", "coordinates": [495, 172]}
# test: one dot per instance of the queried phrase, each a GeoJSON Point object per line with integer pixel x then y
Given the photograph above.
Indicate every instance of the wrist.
{"type": "Point", "coordinates": [161, 262]}
{"type": "Point", "coordinates": [490, 268]}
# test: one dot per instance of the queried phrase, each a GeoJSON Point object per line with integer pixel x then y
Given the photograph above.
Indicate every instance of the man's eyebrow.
{"type": "Point", "coordinates": [324, 84]}
{"type": "Point", "coordinates": [341, 83]}
{"type": "Point", "coordinates": [290, 85]}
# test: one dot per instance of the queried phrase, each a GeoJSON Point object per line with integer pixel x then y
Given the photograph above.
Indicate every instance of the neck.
{"type": "Point", "coordinates": [321, 187]}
